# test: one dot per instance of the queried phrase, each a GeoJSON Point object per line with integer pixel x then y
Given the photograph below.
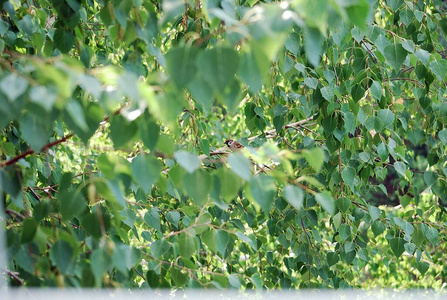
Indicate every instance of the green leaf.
{"type": "Point", "coordinates": [94, 223]}
{"type": "Point", "coordinates": [432, 234]}
{"type": "Point", "coordinates": [43, 96]}
{"type": "Point", "coordinates": [349, 175]}
{"type": "Point", "coordinates": [262, 190]}
{"type": "Point", "coordinates": [326, 201]}
{"type": "Point", "coordinates": [313, 44]}
{"type": "Point", "coordinates": [240, 165]}
{"type": "Point", "coordinates": [230, 184]}
{"type": "Point", "coordinates": [218, 66]}
{"type": "Point", "coordinates": [180, 64]}
{"type": "Point", "coordinates": [374, 123]}
{"type": "Point", "coordinates": [146, 171]}
{"type": "Point", "coordinates": [222, 238]}
{"type": "Point", "coordinates": [423, 56]}
{"type": "Point", "coordinates": [100, 263]}
{"type": "Point", "coordinates": [125, 257]}
{"type": "Point", "coordinates": [202, 92]}
{"type": "Point", "coordinates": [63, 40]}
{"type": "Point", "coordinates": [179, 278]}
{"type": "Point", "coordinates": [397, 245]}
{"type": "Point", "coordinates": [395, 4]}
{"type": "Point", "coordinates": [152, 219]}
{"type": "Point", "coordinates": [376, 90]}
{"type": "Point", "coordinates": [75, 111]}
{"type": "Point", "coordinates": [439, 68]}
{"type": "Point", "coordinates": [418, 237]}
{"type": "Point", "coordinates": [315, 158]}
{"type": "Point", "coordinates": [345, 232]}
{"type": "Point", "coordinates": [395, 55]}
{"type": "Point", "coordinates": [406, 16]}
{"type": "Point", "coordinates": [159, 247]}
{"type": "Point", "coordinates": [234, 281]}
{"type": "Point", "coordinates": [409, 46]}
{"type": "Point", "coordinates": [149, 133]}
{"type": "Point", "coordinates": [357, 12]}
{"type": "Point", "coordinates": [173, 217]}
{"type": "Point", "coordinates": [374, 212]}
{"type": "Point", "coordinates": [410, 248]}
{"type": "Point", "coordinates": [122, 131]}
{"type": "Point", "coordinates": [29, 230]}
{"type": "Point", "coordinates": [311, 82]}
{"type": "Point", "coordinates": [166, 145]}
{"type": "Point", "coordinates": [257, 281]}
{"type": "Point", "coordinates": [377, 227]}
{"type": "Point", "coordinates": [253, 69]}
{"type": "Point", "coordinates": [205, 146]}
{"type": "Point", "coordinates": [332, 258]}
{"type": "Point", "coordinates": [13, 86]}
{"type": "Point", "coordinates": [36, 130]}
{"type": "Point", "coordinates": [423, 267]}
{"type": "Point", "coordinates": [209, 239]}
{"type": "Point", "coordinates": [127, 84]}
{"type": "Point", "coordinates": [72, 204]}
{"type": "Point", "coordinates": [198, 186]}
{"type": "Point", "coordinates": [405, 200]}
{"type": "Point", "coordinates": [430, 178]}
{"type": "Point", "coordinates": [400, 167]}
{"type": "Point", "coordinates": [327, 92]}
{"type": "Point", "coordinates": [294, 195]}
{"type": "Point", "coordinates": [187, 245]}
{"type": "Point", "coordinates": [187, 160]}
{"type": "Point", "coordinates": [61, 254]}
{"type": "Point", "coordinates": [343, 204]}
{"type": "Point", "coordinates": [350, 123]}
{"type": "Point", "coordinates": [387, 117]}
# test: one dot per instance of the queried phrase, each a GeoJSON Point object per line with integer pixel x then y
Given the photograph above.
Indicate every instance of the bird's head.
{"type": "Point", "coordinates": [229, 142]}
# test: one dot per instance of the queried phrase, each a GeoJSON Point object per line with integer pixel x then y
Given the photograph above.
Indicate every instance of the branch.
{"type": "Point", "coordinates": [13, 212]}
{"type": "Point", "coordinates": [15, 275]}
{"type": "Point", "coordinates": [271, 133]}
{"type": "Point", "coordinates": [31, 151]}
{"type": "Point", "coordinates": [268, 134]}
{"type": "Point", "coordinates": [407, 79]}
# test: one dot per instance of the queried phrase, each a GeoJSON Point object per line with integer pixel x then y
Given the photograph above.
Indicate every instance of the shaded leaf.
{"type": "Point", "coordinates": [61, 255]}
{"type": "Point", "coordinates": [146, 171]}
{"type": "Point", "coordinates": [397, 245]}
{"type": "Point", "coordinates": [326, 201]}
{"type": "Point", "coordinates": [395, 55]}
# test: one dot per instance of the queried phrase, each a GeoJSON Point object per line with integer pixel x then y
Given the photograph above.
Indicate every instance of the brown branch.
{"type": "Point", "coordinates": [34, 194]}
{"type": "Point", "coordinates": [31, 151]}
{"type": "Point", "coordinates": [138, 272]}
{"type": "Point", "coordinates": [15, 275]}
{"type": "Point", "coordinates": [407, 79]}
{"type": "Point", "coordinates": [310, 244]}
{"type": "Point", "coordinates": [13, 212]}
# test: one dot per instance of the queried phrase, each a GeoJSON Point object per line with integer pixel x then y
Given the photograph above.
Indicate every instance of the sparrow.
{"type": "Point", "coordinates": [233, 145]}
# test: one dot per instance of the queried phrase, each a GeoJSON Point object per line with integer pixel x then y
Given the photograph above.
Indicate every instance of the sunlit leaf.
{"type": "Point", "coordinates": [187, 160]}
{"type": "Point", "coordinates": [326, 201]}
{"type": "Point", "coordinates": [294, 195]}
{"type": "Point", "coordinates": [146, 170]}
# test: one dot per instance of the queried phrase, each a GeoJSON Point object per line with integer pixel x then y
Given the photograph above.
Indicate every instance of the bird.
{"type": "Point", "coordinates": [233, 145]}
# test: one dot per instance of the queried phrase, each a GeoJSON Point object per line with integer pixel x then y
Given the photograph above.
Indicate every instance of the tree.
{"type": "Point", "coordinates": [114, 114]}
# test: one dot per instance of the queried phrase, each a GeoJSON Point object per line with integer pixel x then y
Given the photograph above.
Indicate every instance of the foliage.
{"type": "Point", "coordinates": [113, 116]}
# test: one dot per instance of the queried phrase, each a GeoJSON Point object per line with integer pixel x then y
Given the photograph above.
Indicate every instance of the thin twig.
{"type": "Point", "coordinates": [31, 151]}
{"type": "Point", "coordinates": [138, 272]}
{"type": "Point", "coordinates": [15, 275]}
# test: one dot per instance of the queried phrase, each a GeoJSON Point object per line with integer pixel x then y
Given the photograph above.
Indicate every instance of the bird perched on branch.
{"type": "Point", "coordinates": [233, 145]}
